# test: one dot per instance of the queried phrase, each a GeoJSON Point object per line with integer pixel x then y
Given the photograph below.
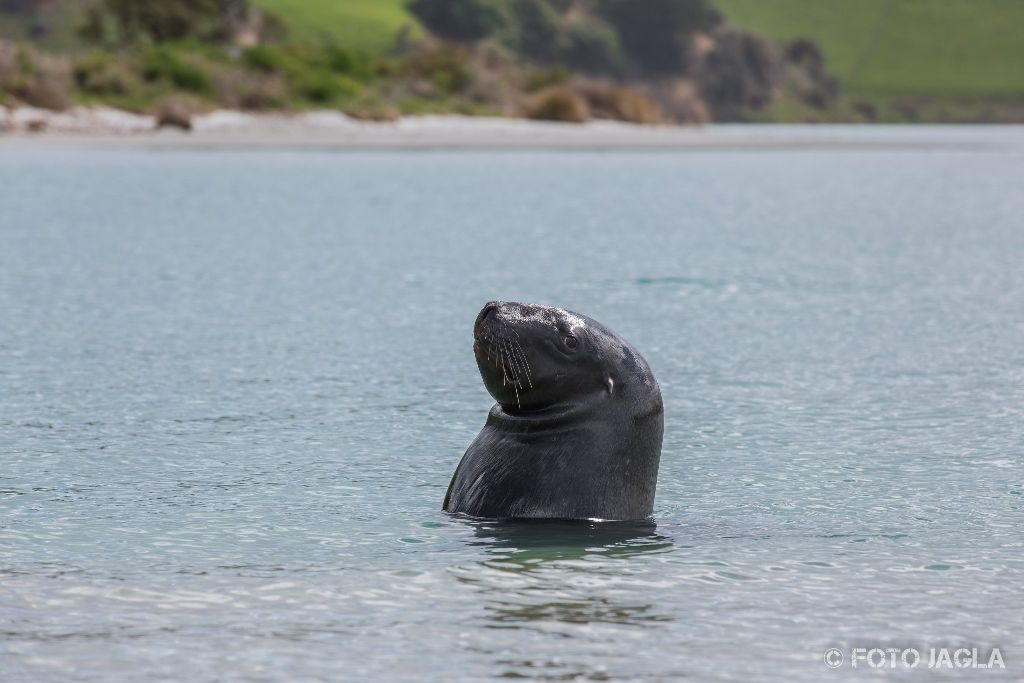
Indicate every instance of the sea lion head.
{"type": "Point", "coordinates": [577, 430]}
{"type": "Point", "coordinates": [534, 357]}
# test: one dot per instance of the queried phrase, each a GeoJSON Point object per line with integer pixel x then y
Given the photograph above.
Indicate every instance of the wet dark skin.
{"type": "Point", "coordinates": [577, 428]}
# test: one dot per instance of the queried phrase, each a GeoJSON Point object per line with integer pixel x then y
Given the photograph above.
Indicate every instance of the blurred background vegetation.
{"type": "Point", "coordinates": [646, 61]}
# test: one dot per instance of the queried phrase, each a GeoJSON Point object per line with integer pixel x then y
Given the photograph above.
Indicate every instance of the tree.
{"type": "Point", "coordinates": [656, 34]}
{"type": "Point", "coordinates": [592, 46]}
{"type": "Point", "coordinates": [537, 29]}
{"type": "Point", "coordinates": [459, 20]}
{"type": "Point", "coordinates": [163, 20]}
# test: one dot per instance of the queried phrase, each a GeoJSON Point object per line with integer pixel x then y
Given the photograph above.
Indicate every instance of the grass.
{"type": "Point", "coordinates": [883, 48]}
{"type": "Point", "coordinates": [878, 48]}
{"type": "Point", "coordinates": [362, 25]}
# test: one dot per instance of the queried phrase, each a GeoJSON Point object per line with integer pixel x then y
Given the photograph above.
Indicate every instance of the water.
{"type": "Point", "coordinates": [234, 385]}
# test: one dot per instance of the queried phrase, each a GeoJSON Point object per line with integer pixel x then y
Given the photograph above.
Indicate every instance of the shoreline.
{"type": "Point", "coordinates": [102, 126]}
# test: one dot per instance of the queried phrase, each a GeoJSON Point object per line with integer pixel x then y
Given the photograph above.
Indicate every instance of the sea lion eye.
{"type": "Point", "coordinates": [571, 342]}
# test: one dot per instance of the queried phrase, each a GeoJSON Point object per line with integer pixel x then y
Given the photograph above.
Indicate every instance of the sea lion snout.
{"type": "Point", "coordinates": [488, 311]}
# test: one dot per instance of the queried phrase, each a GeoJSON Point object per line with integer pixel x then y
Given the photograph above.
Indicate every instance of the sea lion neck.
{"type": "Point", "coordinates": [557, 415]}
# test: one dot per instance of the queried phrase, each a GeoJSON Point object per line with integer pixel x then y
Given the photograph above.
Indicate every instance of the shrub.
{"type": "Point", "coordinates": [538, 79]}
{"type": "Point", "coordinates": [238, 87]}
{"type": "Point", "coordinates": [447, 68]}
{"type": "Point", "coordinates": [681, 101]}
{"type": "Point", "coordinates": [49, 91]}
{"type": "Point", "coordinates": [260, 93]}
{"type": "Point", "coordinates": [807, 77]}
{"type": "Point", "coordinates": [353, 64]}
{"type": "Point", "coordinates": [160, 20]}
{"type": "Point", "coordinates": [593, 46]}
{"type": "Point", "coordinates": [620, 103]}
{"type": "Point", "coordinates": [535, 29]}
{"type": "Point", "coordinates": [35, 79]}
{"type": "Point", "coordinates": [372, 109]}
{"type": "Point", "coordinates": [272, 28]}
{"type": "Point", "coordinates": [103, 74]}
{"type": "Point", "coordinates": [866, 110]}
{"type": "Point", "coordinates": [163, 64]}
{"type": "Point", "coordinates": [268, 58]}
{"type": "Point", "coordinates": [461, 20]}
{"type": "Point", "coordinates": [310, 67]}
{"type": "Point", "coordinates": [322, 87]}
{"type": "Point", "coordinates": [739, 73]}
{"type": "Point", "coordinates": [656, 34]}
{"type": "Point", "coordinates": [558, 104]}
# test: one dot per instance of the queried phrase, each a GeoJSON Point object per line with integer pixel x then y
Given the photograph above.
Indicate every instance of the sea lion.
{"type": "Point", "coordinates": [577, 427]}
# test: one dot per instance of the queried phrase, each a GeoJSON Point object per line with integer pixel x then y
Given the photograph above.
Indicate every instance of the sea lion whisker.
{"type": "Point", "coordinates": [492, 349]}
{"type": "Point", "coordinates": [522, 354]}
{"type": "Point", "coordinates": [529, 371]}
{"type": "Point", "coordinates": [504, 368]}
{"type": "Point", "coordinates": [513, 346]}
{"type": "Point", "coordinates": [513, 362]}
{"type": "Point", "coordinates": [506, 364]}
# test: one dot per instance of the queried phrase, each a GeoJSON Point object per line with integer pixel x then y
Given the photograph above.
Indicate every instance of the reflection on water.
{"type": "Point", "coordinates": [557, 569]}
{"type": "Point", "coordinates": [521, 545]}
{"type": "Point", "coordinates": [550, 579]}
{"type": "Point", "coordinates": [598, 609]}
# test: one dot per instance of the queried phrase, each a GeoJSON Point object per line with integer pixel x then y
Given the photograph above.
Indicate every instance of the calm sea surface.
{"type": "Point", "coordinates": [234, 386]}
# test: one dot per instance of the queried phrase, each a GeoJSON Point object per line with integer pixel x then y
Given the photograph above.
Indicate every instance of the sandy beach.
{"type": "Point", "coordinates": [332, 129]}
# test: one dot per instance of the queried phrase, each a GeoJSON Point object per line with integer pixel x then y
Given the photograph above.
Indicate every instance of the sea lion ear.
{"type": "Point", "coordinates": [609, 383]}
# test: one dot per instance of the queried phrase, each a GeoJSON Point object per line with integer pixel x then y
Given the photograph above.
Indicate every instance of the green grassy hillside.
{"type": "Point", "coordinates": [940, 48]}
{"type": "Point", "coordinates": [369, 25]}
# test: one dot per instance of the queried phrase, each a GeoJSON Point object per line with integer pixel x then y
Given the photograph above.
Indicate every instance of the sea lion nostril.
{"type": "Point", "coordinates": [487, 310]}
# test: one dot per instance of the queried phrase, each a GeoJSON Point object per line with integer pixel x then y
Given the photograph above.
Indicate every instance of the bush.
{"type": "Point", "coordinates": [537, 79]}
{"type": "Point", "coordinates": [460, 20]}
{"type": "Point", "coordinates": [237, 87]}
{"type": "Point", "coordinates": [558, 104]}
{"type": "Point", "coordinates": [259, 94]}
{"type": "Point", "coordinates": [267, 58]}
{"type": "Point", "coordinates": [656, 34]}
{"type": "Point", "coordinates": [34, 79]}
{"type": "Point", "coordinates": [159, 20]}
{"type": "Point", "coordinates": [740, 73]}
{"type": "Point", "coordinates": [535, 29]}
{"type": "Point", "coordinates": [621, 103]}
{"type": "Point", "coordinates": [103, 74]}
{"type": "Point", "coordinates": [447, 68]}
{"type": "Point", "coordinates": [323, 87]}
{"type": "Point", "coordinates": [807, 77]}
{"type": "Point", "coordinates": [593, 46]}
{"type": "Point", "coordinates": [47, 91]}
{"type": "Point", "coordinates": [309, 67]}
{"type": "Point", "coordinates": [353, 64]}
{"type": "Point", "coordinates": [163, 64]}
{"type": "Point", "coordinates": [372, 109]}
{"type": "Point", "coordinates": [681, 101]}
